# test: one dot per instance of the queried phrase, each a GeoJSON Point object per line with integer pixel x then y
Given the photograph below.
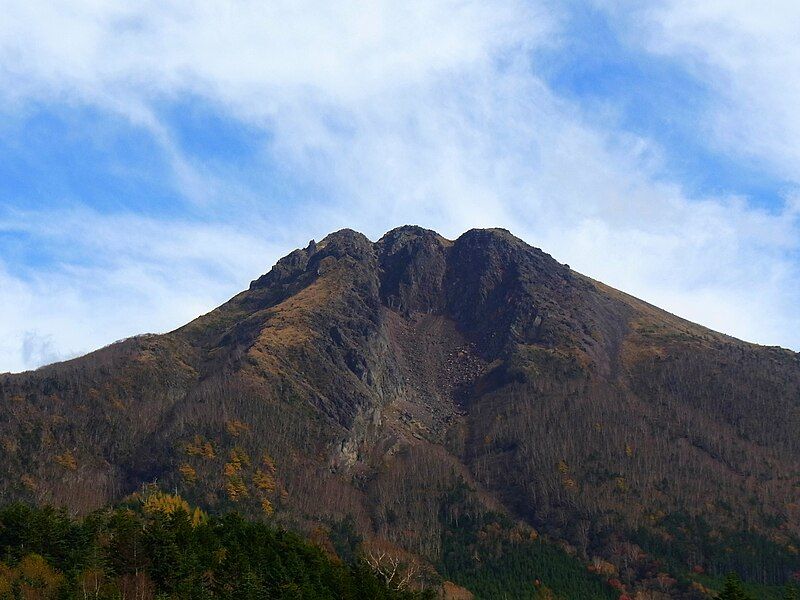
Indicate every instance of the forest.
{"type": "Point", "coordinates": [156, 546]}
{"type": "Point", "coordinates": [160, 547]}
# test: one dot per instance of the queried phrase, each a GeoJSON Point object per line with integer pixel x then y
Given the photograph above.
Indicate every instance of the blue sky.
{"type": "Point", "coordinates": [156, 158]}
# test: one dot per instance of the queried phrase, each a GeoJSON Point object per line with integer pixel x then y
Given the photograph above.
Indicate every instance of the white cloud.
{"type": "Point", "coordinates": [424, 112]}
{"type": "Point", "coordinates": [249, 54]}
{"type": "Point", "coordinates": [748, 54]}
{"type": "Point", "coordinates": [39, 349]}
{"type": "Point", "coordinates": [117, 276]}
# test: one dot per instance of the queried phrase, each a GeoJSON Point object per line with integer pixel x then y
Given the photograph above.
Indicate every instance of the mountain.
{"type": "Point", "coordinates": [403, 390]}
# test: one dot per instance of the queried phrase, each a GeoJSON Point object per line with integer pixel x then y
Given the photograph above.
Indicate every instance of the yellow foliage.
{"type": "Point", "coordinates": [208, 450]}
{"type": "Point", "coordinates": [269, 464]}
{"type": "Point", "coordinates": [159, 502]}
{"type": "Point", "coordinates": [236, 489]}
{"type": "Point", "coordinates": [29, 482]}
{"type": "Point", "coordinates": [201, 448]}
{"type": "Point", "coordinates": [566, 478]}
{"type": "Point", "coordinates": [198, 517]}
{"type": "Point", "coordinates": [238, 458]}
{"type": "Point", "coordinates": [37, 579]}
{"type": "Point", "coordinates": [543, 592]}
{"type": "Point", "coordinates": [67, 460]}
{"type": "Point", "coordinates": [657, 516]}
{"type": "Point", "coordinates": [628, 450]}
{"type": "Point", "coordinates": [6, 581]}
{"type": "Point", "coordinates": [622, 485]}
{"type": "Point", "coordinates": [156, 501]}
{"type": "Point", "coordinates": [264, 481]}
{"type": "Point", "coordinates": [236, 428]}
{"type": "Point", "coordinates": [240, 455]}
{"type": "Point", "coordinates": [266, 506]}
{"type": "Point", "coordinates": [188, 472]}
{"type": "Point", "coordinates": [696, 585]}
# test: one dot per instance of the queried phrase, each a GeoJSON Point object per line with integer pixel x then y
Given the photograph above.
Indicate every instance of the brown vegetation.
{"type": "Point", "coordinates": [368, 379]}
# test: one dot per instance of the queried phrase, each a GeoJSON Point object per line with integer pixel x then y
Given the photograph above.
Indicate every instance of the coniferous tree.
{"type": "Point", "coordinates": [733, 589]}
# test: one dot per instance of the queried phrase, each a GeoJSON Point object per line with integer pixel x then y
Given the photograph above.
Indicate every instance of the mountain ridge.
{"type": "Point", "coordinates": [368, 380]}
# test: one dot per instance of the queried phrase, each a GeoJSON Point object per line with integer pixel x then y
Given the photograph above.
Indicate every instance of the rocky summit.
{"type": "Point", "coordinates": [457, 403]}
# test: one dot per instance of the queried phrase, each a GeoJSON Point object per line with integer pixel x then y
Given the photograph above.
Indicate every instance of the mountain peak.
{"type": "Point", "coordinates": [385, 381]}
{"type": "Point", "coordinates": [345, 242]}
{"type": "Point", "coordinates": [410, 232]}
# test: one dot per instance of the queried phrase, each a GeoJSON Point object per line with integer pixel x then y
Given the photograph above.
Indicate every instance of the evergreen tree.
{"type": "Point", "coordinates": [161, 549]}
{"type": "Point", "coordinates": [733, 589]}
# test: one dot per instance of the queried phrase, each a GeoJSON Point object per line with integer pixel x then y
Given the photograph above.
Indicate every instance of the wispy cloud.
{"type": "Point", "coordinates": [429, 112]}
{"type": "Point", "coordinates": [749, 56]}
{"type": "Point", "coordinates": [115, 276]}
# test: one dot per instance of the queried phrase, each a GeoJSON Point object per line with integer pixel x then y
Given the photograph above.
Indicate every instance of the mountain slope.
{"type": "Point", "coordinates": [370, 380]}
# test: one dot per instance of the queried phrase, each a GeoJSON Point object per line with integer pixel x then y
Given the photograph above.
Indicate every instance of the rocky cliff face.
{"type": "Point", "coordinates": [370, 380]}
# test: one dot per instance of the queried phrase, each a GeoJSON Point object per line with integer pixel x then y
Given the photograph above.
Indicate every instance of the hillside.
{"type": "Point", "coordinates": [405, 389]}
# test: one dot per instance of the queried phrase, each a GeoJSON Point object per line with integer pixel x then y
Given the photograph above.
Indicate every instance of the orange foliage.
{"type": "Point", "coordinates": [236, 428]}
{"type": "Point", "coordinates": [234, 466]}
{"type": "Point", "coordinates": [269, 464]}
{"type": "Point", "coordinates": [451, 591]}
{"type": "Point", "coordinates": [67, 460]}
{"type": "Point", "coordinates": [602, 567]}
